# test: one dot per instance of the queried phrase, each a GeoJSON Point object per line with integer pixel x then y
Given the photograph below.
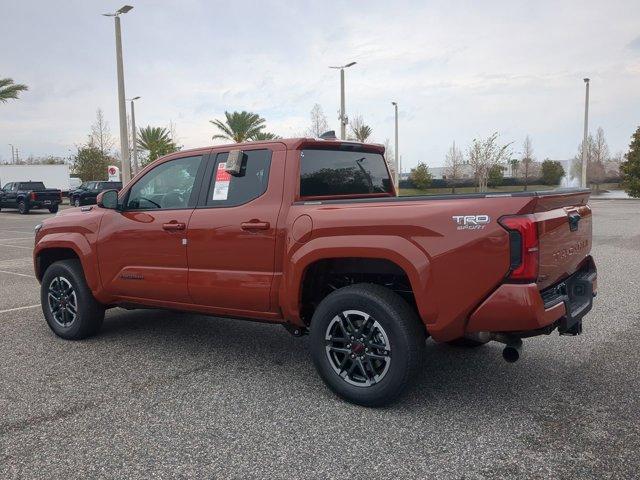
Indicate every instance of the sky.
{"type": "Point", "coordinates": [459, 70]}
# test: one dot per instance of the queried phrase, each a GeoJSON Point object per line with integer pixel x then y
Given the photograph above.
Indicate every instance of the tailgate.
{"type": "Point", "coordinates": [564, 235]}
{"type": "Point", "coordinates": [44, 195]}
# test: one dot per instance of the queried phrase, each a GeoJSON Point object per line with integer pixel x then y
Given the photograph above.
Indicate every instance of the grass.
{"type": "Point", "coordinates": [446, 191]}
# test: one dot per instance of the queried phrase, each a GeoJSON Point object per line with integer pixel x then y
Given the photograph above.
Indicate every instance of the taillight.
{"type": "Point", "coordinates": [33, 196]}
{"type": "Point", "coordinates": [523, 241]}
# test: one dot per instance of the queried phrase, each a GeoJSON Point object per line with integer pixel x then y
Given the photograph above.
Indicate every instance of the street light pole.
{"type": "Point", "coordinates": [397, 159]}
{"type": "Point", "coordinates": [124, 137]}
{"type": "Point", "coordinates": [343, 117]}
{"type": "Point", "coordinates": [585, 146]}
{"type": "Point", "coordinates": [134, 136]}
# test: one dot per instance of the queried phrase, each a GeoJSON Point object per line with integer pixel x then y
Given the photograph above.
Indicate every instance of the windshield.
{"type": "Point", "coordinates": [332, 172]}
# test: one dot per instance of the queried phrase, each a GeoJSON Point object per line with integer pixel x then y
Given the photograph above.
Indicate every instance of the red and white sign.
{"type": "Point", "coordinates": [221, 187]}
{"type": "Point", "coordinates": [114, 173]}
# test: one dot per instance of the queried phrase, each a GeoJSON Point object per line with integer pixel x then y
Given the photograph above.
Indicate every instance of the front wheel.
{"type": "Point", "coordinates": [67, 302]}
{"type": "Point", "coordinates": [367, 344]}
{"type": "Point", "coordinates": [76, 202]}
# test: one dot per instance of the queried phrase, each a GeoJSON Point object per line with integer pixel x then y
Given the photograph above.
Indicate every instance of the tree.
{"type": "Point", "coordinates": [359, 129]}
{"type": "Point", "coordinates": [100, 135]}
{"type": "Point", "coordinates": [239, 126]}
{"type": "Point", "coordinates": [630, 168]}
{"type": "Point", "coordinates": [420, 176]}
{"type": "Point", "coordinates": [319, 124]}
{"type": "Point", "coordinates": [484, 155]}
{"type": "Point", "coordinates": [453, 166]}
{"type": "Point", "coordinates": [156, 142]}
{"type": "Point", "coordinates": [597, 157]}
{"type": "Point", "coordinates": [527, 160]}
{"type": "Point", "coordinates": [264, 136]}
{"type": "Point", "coordinates": [89, 163]}
{"type": "Point", "coordinates": [10, 90]}
{"type": "Point", "coordinates": [514, 165]}
{"type": "Point", "coordinates": [552, 172]}
{"type": "Point", "coordinates": [496, 176]}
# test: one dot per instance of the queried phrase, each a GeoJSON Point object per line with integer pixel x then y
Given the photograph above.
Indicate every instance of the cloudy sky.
{"type": "Point", "coordinates": [458, 69]}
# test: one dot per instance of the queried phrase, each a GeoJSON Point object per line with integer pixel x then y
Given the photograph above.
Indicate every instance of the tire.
{"type": "Point", "coordinates": [76, 202]}
{"type": "Point", "coordinates": [23, 208]}
{"type": "Point", "coordinates": [379, 377]}
{"type": "Point", "coordinates": [53, 209]}
{"type": "Point", "coordinates": [89, 314]}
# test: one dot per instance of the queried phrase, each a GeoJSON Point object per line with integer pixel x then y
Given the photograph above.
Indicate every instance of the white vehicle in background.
{"type": "Point", "coordinates": [74, 183]}
{"type": "Point", "coordinates": [53, 176]}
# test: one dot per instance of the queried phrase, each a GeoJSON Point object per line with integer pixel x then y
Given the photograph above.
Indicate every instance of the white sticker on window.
{"type": "Point", "coordinates": [221, 185]}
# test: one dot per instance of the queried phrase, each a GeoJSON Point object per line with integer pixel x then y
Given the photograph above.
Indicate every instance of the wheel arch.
{"type": "Point", "coordinates": [376, 254]}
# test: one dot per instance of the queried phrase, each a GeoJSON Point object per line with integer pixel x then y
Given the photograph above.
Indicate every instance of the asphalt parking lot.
{"type": "Point", "coordinates": [165, 395]}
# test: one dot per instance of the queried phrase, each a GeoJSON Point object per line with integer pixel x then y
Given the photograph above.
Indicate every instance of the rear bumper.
{"type": "Point", "coordinates": [521, 309]}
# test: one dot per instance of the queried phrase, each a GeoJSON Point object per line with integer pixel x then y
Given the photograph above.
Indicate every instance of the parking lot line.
{"type": "Point", "coordinates": [15, 246]}
{"type": "Point", "coordinates": [19, 308]}
{"type": "Point", "coordinates": [16, 238]}
{"type": "Point", "coordinates": [16, 273]}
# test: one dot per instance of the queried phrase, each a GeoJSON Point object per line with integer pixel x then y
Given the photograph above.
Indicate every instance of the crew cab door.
{"type": "Point", "coordinates": [232, 232]}
{"type": "Point", "coordinates": [142, 250]}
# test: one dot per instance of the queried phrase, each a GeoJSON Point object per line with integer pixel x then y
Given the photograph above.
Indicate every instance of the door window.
{"type": "Point", "coordinates": [168, 186]}
{"type": "Point", "coordinates": [228, 190]}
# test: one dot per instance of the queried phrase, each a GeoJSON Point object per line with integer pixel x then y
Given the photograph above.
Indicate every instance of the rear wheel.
{"type": "Point", "coordinates": [76, 202]}
{"type": "Point", "coordinates": [22, 207]}
{"type": "Point", "coordinates": [367, 344]}
{"type": "Point", "coordinates": [67, 302]}
{"type": "Point", "coordinates": [53, 209]}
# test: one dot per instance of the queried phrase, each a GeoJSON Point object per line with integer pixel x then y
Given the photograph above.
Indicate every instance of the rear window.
{"type": "Point", "coordinates": [32, 186]}
{"type": "Point", "coordinates": [331, 172]}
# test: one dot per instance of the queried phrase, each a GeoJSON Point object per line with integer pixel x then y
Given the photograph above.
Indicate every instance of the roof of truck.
{"type": "Point", "coordinates": [301, 142]}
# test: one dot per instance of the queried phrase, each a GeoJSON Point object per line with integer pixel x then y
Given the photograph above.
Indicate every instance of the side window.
{"type": "Point", "coordinates": [7, 187]}
{"type": "Point", "coordinates": [227, 190]}
{"type": "Point", "coordinates": [168, 186]}
{"type": "Point", "coordinates": [15, 187]}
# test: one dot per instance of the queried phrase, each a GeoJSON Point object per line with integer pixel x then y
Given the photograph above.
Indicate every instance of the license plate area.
{"type": "Point", "coordinates": [47, 202]}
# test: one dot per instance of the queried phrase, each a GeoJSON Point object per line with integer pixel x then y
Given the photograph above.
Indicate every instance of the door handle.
{"type": "Point", "coordinates": [174, 226]}
{"type": "Point", "coordinates": [253, 225]}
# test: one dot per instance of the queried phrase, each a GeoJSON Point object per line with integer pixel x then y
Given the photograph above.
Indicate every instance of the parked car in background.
{"type": "Point", "coordinates": [309, 233]}
{"type": "Point", "coordinates": [54, 176]}
{"type": "Point", "coordinates": [27, 196]}
{"type": "Point", "coordinates": [86, 193]}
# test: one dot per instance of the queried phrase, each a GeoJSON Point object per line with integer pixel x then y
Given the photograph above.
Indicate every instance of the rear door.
{"type": "Point", "coordinates": [232, 232]}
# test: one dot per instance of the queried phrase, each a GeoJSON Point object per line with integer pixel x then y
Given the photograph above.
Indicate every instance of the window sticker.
{"type": "Point", "coordinates": [221, 186]}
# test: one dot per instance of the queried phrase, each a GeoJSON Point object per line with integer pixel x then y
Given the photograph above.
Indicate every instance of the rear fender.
{"type": "Point", "coordinates": [402, 252]}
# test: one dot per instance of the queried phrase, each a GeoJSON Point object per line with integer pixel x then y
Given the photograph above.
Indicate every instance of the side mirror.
{"type": "Point", "coordinates": [108, 199]}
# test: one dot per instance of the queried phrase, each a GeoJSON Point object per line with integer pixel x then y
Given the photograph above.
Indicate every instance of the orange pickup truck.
{"type": "Point", "coordinates": [309, 233]}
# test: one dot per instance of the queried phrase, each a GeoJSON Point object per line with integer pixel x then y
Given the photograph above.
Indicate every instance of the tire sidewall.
{"type": "Point", "coordinates": [22, 208]}
{"type": "Point", "coordinates": [395, 379]}
{"type": "Point", "coordinates": [78, 327]}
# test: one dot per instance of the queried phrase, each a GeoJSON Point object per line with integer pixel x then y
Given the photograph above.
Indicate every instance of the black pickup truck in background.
{"type": "Point", "coordinates": [87, 193]}
{"type": "Point", "coordinates": [27, 196]}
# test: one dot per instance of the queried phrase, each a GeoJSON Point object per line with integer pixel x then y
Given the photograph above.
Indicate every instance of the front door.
{"type": "Point", "coordinates": [142, 247]}
{"type": "Point", "coordinates": [232, 233]}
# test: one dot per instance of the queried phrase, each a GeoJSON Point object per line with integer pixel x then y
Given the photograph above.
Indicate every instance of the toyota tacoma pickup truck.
{"type": "Point", "coordinates": [309, 233]}
{"type": "Point", "coordinates": [26, 196]}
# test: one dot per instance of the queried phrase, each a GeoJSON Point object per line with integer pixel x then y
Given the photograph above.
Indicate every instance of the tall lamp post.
{"type": "Point", "coordinates": [134, 136]}
{"type": "Point", "coordinates": [343, 117]}
{"type": "Point", "coordinates": [397, 159]}
{"type": "Point", "coordinates": [583, 182]}
{"type": "Point", "coordinates": [124, 137]}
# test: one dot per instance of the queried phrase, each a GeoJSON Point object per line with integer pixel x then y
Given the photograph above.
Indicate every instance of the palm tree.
{"type": "Point", "coordinates": [265, 136]}
{"type": "Point", "coordinates": [10, 90]}
{"type": "Point", "coordinates": [156, 141]}
{"type": "Point", "coordinates": [360, 130]}
{"type": "Point", "coordinates": [239, 126]}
